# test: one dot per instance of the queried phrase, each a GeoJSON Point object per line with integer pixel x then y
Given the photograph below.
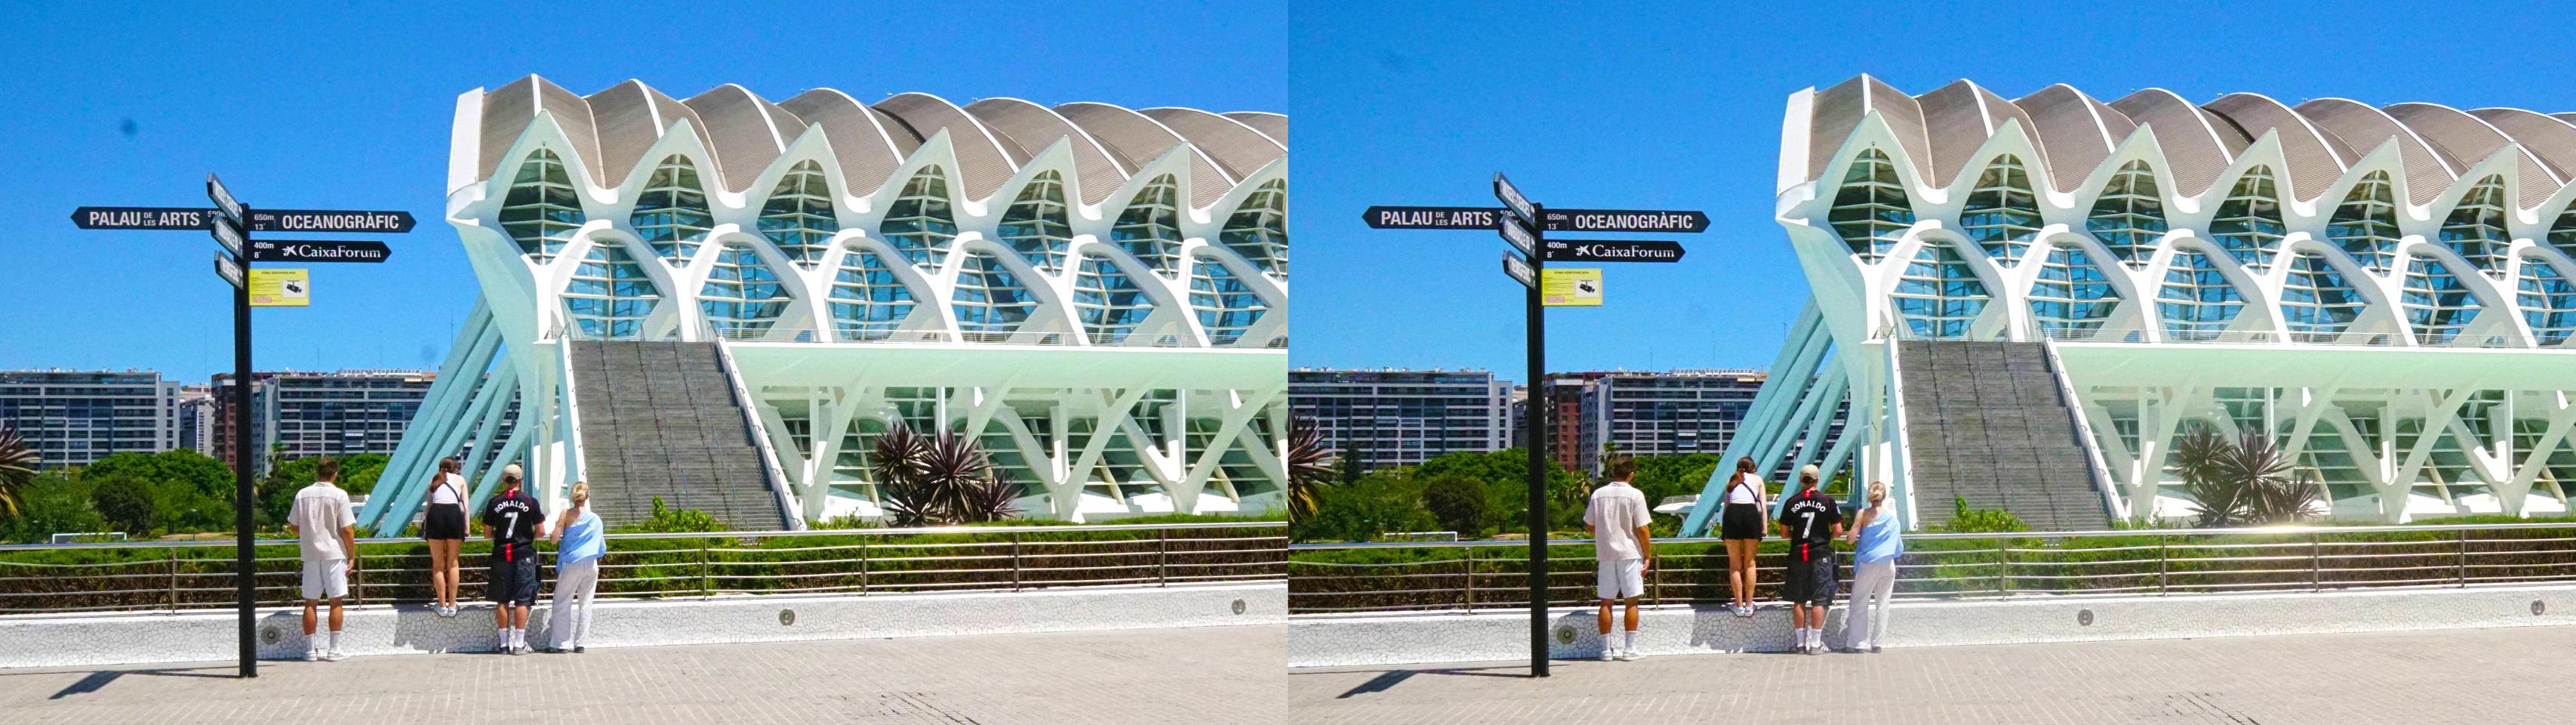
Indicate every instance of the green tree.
{"type": "Point", "coordinates": [126, 504]}
{"type": "Point", "coordinates": [1382, 501]}
{"type": "Point", "coordinates": [1460, 504]}
{"type": "Point", "coordinates": [191, 492]}
{"type": "Point", "coordinates": [52, 503]}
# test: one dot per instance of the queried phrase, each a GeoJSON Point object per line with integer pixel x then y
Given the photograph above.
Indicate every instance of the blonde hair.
{"type": "Point", "coordinates": [1877, 493]}
{"type": "Point", "coordinates": [581, 493]}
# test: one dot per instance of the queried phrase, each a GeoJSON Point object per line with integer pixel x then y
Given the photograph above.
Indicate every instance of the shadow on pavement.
{"type": "Point", "coordinates": [1387, 680]}
{"type": "Point", "coordinates": [97, 680]}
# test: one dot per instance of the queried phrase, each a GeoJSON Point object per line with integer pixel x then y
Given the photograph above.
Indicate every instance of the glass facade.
{"type": "Point", "coordinates": [919, 223]}
{"type": "Point", "coordinates": [2071, 298]}
{"type": "Point", "coordinates": [2562, 233]}
{"type": "Point", "coordinates": [868, 301]}
{"type": "Point", "coordinates": [542, 211]}
{"type": "Point", "coordinates": [2547, 299]}
{"type": "Point", "coordinates": [1225, 305]}
{"type": "Point", "coordinates": [1036, 225]}
{"type": "Point", "coordinates": [2435, 301]}
{"type": "Point", "coordinates": [1108, 301]}
{"type": "Point", "coordinates": [1870, 209]}
{"type": "Point", "coordinates": [1259, 229]}
{"type": "Point", "coordinates": [2197, 303]}
{"type": "Point", "coordinates": [990, 301]}
{"type": "Point", "coordinates": [2476, 229]}
{"type": "Point", "coordinates": [1939, 297]}
{"type": "Point", "coordinates": [2365, 226]}
{"type": "Point", "coordinates": [742, 297]}
{"type": "Point", "coordinates": [672, 214]}
{"type": "Point", "coordinates": [2002, 213]}
{"type": "Point", "coordinates": [2130, 215]}
{"type": "Point", "coordinates": [798, 218]}
{"type": "Point", "coordinates": [1150, 227]}
{"type": "Point", "coordinates": [610, 296]}
{"type": "Point", "coordinates": [2317, 303]}
{"type": "Point", "coordinates": [2249, 224]}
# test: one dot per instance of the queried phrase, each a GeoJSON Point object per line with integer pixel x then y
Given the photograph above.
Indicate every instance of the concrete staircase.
{"type": "Point", "coordinates": [1985, 421]}
{"type": "Point", "coordinates": [660, 419]}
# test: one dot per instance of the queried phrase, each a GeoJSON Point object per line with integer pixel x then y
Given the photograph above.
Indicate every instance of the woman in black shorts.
{"type": "Point", "coordinates": [1742, 519]}
{"type": "Point", "coordinates": [444, 527]}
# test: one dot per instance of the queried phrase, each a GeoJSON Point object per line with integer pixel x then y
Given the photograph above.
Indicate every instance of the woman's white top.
{"type": "Point", "coordinates": [450, 488]}
{"type": "Point", "coordinates": [1747, 491]}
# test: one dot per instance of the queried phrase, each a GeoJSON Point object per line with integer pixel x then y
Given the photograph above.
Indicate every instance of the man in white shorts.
{"type": "Point", "coordinates": [327, 532]}
{"type": "Point", "coordinates": [1623, 540]}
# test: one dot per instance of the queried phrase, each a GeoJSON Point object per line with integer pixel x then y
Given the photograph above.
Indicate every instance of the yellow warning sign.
{"type": "Point", "coordinates": [1570, 287]}
{"type": "Point", "coordinates": [285, 287]}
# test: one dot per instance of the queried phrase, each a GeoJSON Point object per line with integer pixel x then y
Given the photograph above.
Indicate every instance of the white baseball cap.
{"type": "Point", "coordinates": [512, 472]}
{"type": "Point", "coordinates": [1808, 471]}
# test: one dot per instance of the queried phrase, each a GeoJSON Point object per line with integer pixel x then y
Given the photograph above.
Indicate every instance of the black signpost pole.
{"type": "Point", "coordinates": [1538, 440]}
{"type": "Point", "coordinates": [246, 569]}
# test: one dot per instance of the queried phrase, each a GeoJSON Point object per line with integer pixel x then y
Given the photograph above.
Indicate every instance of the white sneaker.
{"type": "Point", "coordinates": [1609, 653]}
{"type": "Point", "coordinates": [1630, 655]}
{"type": "Point", "coordinates": [315, 655]}
{"type": "Point", "coordinates": [334, 656]}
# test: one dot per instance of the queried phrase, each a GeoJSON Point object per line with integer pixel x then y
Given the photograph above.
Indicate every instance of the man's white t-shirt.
{"type": "Point", "coordinates": [321, 511]}
{"type": "Point", "coordinates": [1617, 511]}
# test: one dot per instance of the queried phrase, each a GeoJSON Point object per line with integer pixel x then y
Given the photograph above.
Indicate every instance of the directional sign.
{"type": "Point", "coordinates": [1519, 270]}
{"type": "Point", "coordinates": [1627, 220]}
{"type": "Point", "coordinates": [261, 220]}
{"type": "Point", "coordinates": [224, 201]}
{"type": "Point", "coordinates": [229, 270]}
{"type": "Point", "coordinates": [334, 250]}
{"type": "Point", "coordinates": [229, 234]}
{"type": "Point", "coordinates": [1520, 237]}
{"type": "Point", "coordinates": [1426, 217]}
{"type": "Point", "coordinates": [1511, 197]}
{"type": "Point", "coordinates": [1612, 250]}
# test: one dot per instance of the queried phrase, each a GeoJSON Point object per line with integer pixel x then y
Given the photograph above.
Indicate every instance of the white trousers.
{"type": "Point", "coordinates": [570, 619]}
{"type": "Point", "coordinates": [1872, 585]}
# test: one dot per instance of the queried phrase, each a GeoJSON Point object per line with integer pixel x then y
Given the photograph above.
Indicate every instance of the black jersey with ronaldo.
{"type": "Point", "coordinates": [513, 517]}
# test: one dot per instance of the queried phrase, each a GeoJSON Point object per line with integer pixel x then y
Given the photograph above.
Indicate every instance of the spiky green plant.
{"type": "Point", "coordinates": [2243, 482]}
{"type": "Point", "coordinates": [18, 463]}
{"type": "Point", "coordinates": [1310, 469]}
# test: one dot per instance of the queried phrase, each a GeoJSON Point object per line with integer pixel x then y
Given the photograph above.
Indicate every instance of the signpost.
{"type": "Point", "coordinates": [1525, 224]}
{"type": "Point", "coordinates": [265, 220]}
{"type": "Point", "coordinates": [228, 222]}
{"type": "Point", "coordinates": [1613, 250]}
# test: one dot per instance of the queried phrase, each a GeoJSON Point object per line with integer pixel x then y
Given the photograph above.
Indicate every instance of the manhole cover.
{"type": "Point", "coordinates": [786, 617]}
{"type": "Point", "coordinates": [1565, 635]}
{"type": "Point", "coordinates": [2084, 617]}
{"type": "Point", "coordinates": [1238, 606]}
{"type": "Point", "coordinates": [271, 635]}
{"type": "Point", "coordinates": [2538, 607]}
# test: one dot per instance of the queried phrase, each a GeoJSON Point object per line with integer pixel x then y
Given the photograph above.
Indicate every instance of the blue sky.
{"type": "Point", "coordinates": [1642, 105]}
{"type": "Point", "coordinates": [331, 106]}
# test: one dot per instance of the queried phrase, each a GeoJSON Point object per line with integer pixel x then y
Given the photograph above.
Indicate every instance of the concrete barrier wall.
{"type": "Point", "coordinates": [1393, 639]}
{"type": "Point", "coordinates": [200, 636]}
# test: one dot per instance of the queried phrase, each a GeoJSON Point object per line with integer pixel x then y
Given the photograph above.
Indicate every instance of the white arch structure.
{"type": "Point", "coordinates": [2384, 290]}
{"type": "Point", "coordinates": [1098, 293]}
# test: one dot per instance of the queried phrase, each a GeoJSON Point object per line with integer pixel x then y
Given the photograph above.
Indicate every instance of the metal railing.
{"type": "Point", "coordinates": [1326, 579]}
{"type": "Point", "coordinates": [174, 576]}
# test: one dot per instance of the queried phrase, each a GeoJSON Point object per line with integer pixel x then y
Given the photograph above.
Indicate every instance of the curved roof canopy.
{"type": "Point", "coordinates": [2074, 132]}
{"type": "Point", "coordinates": [612, 130]}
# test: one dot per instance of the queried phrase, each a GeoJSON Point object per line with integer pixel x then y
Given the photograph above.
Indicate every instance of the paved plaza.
{"type": "Point", "coordinates": [1195, 675]}
{"type": "Point", "coordinates": [2408, 678]}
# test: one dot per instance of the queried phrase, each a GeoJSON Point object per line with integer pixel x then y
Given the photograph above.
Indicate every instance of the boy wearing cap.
{"type": "Point", "coordinates": [1810, 521]}
{"type": "Point", "coordinates": [512, 517]}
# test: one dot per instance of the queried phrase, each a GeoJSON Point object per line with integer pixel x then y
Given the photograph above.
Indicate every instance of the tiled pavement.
{"type": "Point", "coordinates": [1195, 675]}
{"type": "Point", "coordinates": [2408, 678]}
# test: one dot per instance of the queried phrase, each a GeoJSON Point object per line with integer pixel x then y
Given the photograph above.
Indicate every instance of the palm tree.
{"type": "Point", "coordinates": [956, 470]}
{"type": "Point", "coordinates": [896, 465]}
{"type": "Point", "coordinates": [1310, 468]}
{"type": "Point", "coordinates": [18, 462]}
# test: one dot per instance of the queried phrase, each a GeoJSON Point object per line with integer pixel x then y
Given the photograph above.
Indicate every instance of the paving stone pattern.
{"type": "Point", "coordinates": [1192, 675]}
{"type": "Point", "coordinates": [2390, 678]}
